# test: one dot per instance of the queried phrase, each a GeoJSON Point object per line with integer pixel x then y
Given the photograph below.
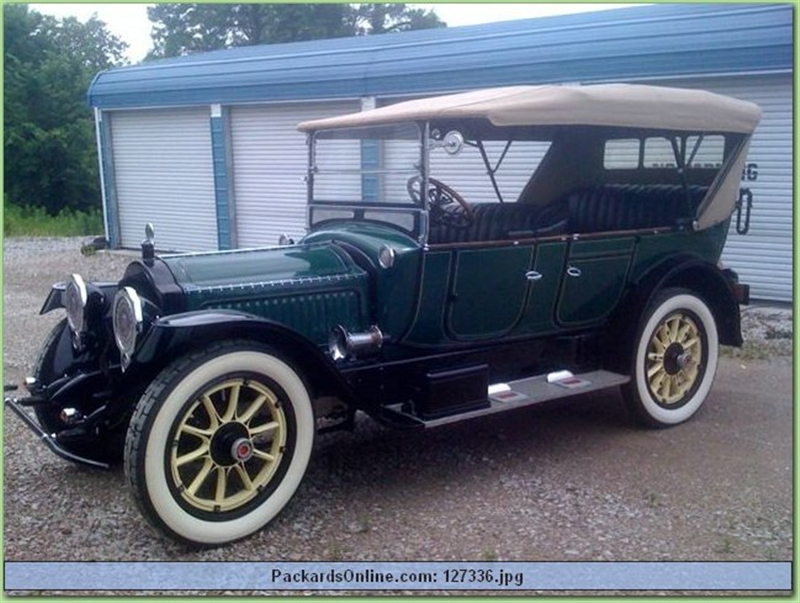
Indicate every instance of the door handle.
{"type": "Point", "coordinates": [533, 276]}
{"type": "Point", "coordinates": [574, 271]}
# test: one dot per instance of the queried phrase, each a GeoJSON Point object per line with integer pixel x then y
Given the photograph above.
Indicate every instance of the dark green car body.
{"type": "Point", "coordinates": [437, 307]}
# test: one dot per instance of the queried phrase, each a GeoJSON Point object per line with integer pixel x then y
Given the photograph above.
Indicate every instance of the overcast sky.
{"type": "Point", "coordinates": [129, 21]}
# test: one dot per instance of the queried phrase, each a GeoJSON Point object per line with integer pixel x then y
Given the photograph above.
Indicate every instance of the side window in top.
{"type": "Point", "coordinates": [705, 151]}
{"type": "Point", "coordinates": [659, 153]}
{"type": "Point", "coordinates": [622, 154]}
{"type": "Point", "coordinates": [697, 151]}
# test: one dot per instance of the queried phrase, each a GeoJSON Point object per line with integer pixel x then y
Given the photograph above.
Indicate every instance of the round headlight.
{"type": "Point", "coordinates": [127, 321]}
{"type": "Point", "coordinates": [75, 298]}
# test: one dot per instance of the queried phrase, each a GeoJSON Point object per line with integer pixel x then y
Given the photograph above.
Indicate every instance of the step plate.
{"type": "Point", "coordinates": [532, 390]}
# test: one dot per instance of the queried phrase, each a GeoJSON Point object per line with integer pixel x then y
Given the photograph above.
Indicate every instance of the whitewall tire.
{"type": "Point", "coordinates": [219, 443]}
{"type": "Point", "coordinates": [676, 351]}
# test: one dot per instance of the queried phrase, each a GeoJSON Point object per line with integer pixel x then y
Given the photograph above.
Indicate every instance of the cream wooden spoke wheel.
{"type": "Point", "coordinates": [675, 359]}
{"type": "Point", "coordinates": [229, 445]}
{"type": "Point", "coordinates": [219, 443]}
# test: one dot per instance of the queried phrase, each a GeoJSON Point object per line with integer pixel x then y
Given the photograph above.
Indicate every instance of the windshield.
{"type": "Point", "coordinates": [364, 174]}
{"type": "Point", "coordinates": [366, 165]}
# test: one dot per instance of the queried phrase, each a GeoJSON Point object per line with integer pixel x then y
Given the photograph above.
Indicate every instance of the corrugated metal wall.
{"type": "Point", "coordinates": [467, 171]}
{"type": "Point", "coordinates": [163, 174]}
{"type": "Point", "coordinates": [269, 167]}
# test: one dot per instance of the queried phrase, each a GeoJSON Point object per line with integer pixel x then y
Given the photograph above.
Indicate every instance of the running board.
{"type": "Point", "coordinates": [524, 392]}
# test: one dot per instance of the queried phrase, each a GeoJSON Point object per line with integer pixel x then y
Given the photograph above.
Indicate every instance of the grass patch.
{"type": "Point", "coordinates": [25, 221]}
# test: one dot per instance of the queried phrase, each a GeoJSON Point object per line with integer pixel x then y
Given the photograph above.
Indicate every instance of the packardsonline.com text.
{"type": "Point", "coordinates": [454, 577]}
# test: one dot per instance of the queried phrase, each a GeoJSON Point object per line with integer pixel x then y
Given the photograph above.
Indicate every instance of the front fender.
{"type": "Point", "coordinates": [173, 336]}
{"type": "Point", "coordinates": [55, 298]}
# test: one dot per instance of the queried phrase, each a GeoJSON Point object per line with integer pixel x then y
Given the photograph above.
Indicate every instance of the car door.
{"type": "Point", "coordinates": [594, 279]}
{"type": "Point", "coordinates": [488, 291]}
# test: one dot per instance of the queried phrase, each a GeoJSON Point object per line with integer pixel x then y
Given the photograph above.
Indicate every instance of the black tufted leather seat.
{"type": "Point", "coordinates": [630, 206]}
{"type": "Point", "coordinates": [607, 207]}
{"type": "Point", "coordinates": [495, 222]}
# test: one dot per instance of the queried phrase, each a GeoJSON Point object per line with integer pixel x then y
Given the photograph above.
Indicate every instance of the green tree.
{"type": "Point", "coordinates": [388, 18]}
{"type": "Point", "coordinates": [50, 156]}
{"type": "Point", "coordinates": [180, 28]}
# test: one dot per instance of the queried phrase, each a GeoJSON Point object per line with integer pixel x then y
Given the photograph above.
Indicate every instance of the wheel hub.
{"type": "Point", "coordinates": [242, 450]}
{"type": "Point", "coordinates": [231, 444]}
{"type": "Point", "coordinates": [685, 360]}
{"type": "Point", "coordinates": [676, 359]}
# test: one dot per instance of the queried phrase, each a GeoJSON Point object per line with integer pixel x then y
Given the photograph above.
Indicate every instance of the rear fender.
{"type": "Point", "coordinates": [710, 283]}
{"type": "Point", "coordinates": [704, 279]}
{"type": "Point", "coordinates": [176, 335]}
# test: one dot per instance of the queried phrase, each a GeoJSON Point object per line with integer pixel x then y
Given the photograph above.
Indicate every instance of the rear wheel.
{"type": "Point", "coordinates": [219, 443]}
{"type": "Point", "coordinates": [675, 359]}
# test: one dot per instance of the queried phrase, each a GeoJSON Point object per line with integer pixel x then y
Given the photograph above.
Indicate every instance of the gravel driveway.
{"type": "Point", "coordinates": [569, 481]}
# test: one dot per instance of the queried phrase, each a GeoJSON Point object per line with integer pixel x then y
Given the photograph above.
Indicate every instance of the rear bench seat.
{"type": "Point", "coordinates": [631, 206]}
{"type": "Point", "coordinates": [591, 209]}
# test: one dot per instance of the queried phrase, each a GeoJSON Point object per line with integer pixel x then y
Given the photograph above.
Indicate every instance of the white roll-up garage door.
{"type": "Point", "coordinates": [763, 257]}
{"type": "Point", "coordinates": [163, 173]}
{"type": "Point", "coordinates": [269, 167]}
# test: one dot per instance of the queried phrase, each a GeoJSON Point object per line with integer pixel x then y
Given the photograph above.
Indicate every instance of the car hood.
{"type": "Point", "coordinates": [207, 278]}
{"type": "Point", "coordinates": [309, 288]}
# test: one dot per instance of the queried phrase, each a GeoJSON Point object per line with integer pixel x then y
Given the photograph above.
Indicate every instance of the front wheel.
{"type": "Point", "coordinates": [105, 447]}
{"type": "Point", "coordinates": [675, 359]}
{"type": "Point", "coordinates": [219, 443]}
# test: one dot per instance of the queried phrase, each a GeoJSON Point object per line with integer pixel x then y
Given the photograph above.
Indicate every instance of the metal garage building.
{"type": "Point", "coordinates": [205, 146]}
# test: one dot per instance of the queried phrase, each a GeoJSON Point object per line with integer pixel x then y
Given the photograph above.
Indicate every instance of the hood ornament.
{"type": "Point", "coordinates": [148, 245]}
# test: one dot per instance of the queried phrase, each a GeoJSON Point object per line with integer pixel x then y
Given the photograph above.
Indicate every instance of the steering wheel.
{"type": "Point", "coordinates": [447, 207]}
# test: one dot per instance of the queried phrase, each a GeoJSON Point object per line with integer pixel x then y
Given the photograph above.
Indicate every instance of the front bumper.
{"type": "Point", "coordinates": [17, 406]}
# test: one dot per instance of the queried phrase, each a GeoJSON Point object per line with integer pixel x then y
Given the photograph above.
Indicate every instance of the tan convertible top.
{"type": "Point", "coordinates": [622, 105]}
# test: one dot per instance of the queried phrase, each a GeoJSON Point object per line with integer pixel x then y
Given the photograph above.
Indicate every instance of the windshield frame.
{"type": "Point", "coordinates": [361, 211]}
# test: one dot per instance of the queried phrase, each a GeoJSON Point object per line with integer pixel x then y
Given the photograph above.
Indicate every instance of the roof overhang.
{"type": "Point", "coordinates": [628, 44]}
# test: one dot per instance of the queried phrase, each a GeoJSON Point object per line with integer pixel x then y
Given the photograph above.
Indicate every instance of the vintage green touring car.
{"type": "Point", "coordinates": [465, 255]}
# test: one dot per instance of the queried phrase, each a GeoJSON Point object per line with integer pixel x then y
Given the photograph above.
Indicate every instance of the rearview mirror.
{"type": "Point", "coordinates": [452, 143]}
